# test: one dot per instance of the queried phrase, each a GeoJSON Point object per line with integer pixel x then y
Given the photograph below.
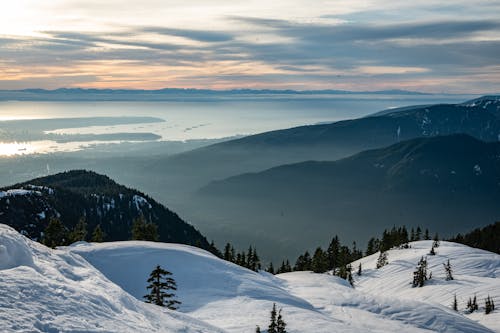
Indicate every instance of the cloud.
{"type": "Point", "coordinates": [196, 35]}
{"type": "Point", "coordinates": [327, 50]}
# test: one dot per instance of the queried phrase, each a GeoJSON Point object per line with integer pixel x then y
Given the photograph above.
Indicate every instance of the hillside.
{"type": "Point", "coordinates": [236, 299]}
{"type": "Point", "coordinates": [475, 272]}
{"type": "Point", "coordinates": [478, 118]}
{"type": "Point", "coordinates": [71, 195]}
{"type": "Point", "coordinates": [448, 184]}
{"type": "Point", "coordinates": [45, 290]}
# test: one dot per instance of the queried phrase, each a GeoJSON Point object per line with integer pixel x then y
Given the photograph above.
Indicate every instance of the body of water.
{"type": "Point", "coordinates": [187, 120]}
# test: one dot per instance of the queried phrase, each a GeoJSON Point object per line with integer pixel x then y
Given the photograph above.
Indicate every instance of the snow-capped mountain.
{"type": "Point", "coordinates": [99, 288]}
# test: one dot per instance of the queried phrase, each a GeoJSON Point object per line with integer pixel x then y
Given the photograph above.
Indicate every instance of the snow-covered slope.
{"type": "Point", "coordinates": [99, 288]}
{"type": "Point", "coordinates": [475, 272]}
{"type": "Point", "coordinates": [236, 299]}
{"type": "Point", "coordinates": [44, 290]}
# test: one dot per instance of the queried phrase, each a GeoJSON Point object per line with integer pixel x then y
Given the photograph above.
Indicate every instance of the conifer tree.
{"type": "Point", "coordinates": [142, 230]}
{"type": "Point", "coordinates": [432, 252]}
{"type": "Point", "coordinates": [372, 246]}
{"type": "Point", "coordinates": [435, 243]}
{"type": "Point", "coordinates": [280, 323]}
{"type": "Point", "coordinates": [161, 286]}
{"type": "Point", "coordinates": [270, 268]}
{"type": "Point", "coordinates": [228, 254]}
{"type": "Point", "coordinates": [418, 234]}
{"type": "Point", "coordinates": [359, 270]}
{"type": "Point", "coordinates": [489, 305]}
{"type": "Point", "coordinates": [257, 329]}
{"type": "Point", "coordinates": [333, 253]}
{"type": "Point", "coordinates": [412, 235]}
{"type": "Point", "coordinates": [350, 279]}
{"type": "Point", "coordinates": [273, 325]}
{"type": "Point", "coordinates": [55, 234]}
{"type": "Point", "coordinates": [319, 261]}
{"type": "Point", "coordinates": [420, 274]}
{"type": "Point", "coordinates": [448, 271]}
{"type": "Point", "coordinates": [455, 303]}
{"type": "Point", "coordinates": [426, 234]}
{"type": "Point", "coordinates": [382, 260]}
{"type": "Point", "coordinates": [97, 235]}
{"type": "Point", "coordinates": [79, 232]}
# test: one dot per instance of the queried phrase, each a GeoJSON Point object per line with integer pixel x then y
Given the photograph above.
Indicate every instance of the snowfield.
{"type": "Point", "coordinates": [99, 287]}
{"type": "Point", "coordinates": [44, 290]}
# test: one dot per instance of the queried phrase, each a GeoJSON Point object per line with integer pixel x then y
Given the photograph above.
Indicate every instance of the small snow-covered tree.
{"type": "Point", "coordinates": [489, 305]}
{"type": "Point", "coordinates": [455, 303]}
{"type": "Point", "coordinates": [257, 329]}
{"type": "Point", "coordinates": [420, 274]}
{"type": "Point", "coordinates": [382, 260]}
{"type": "Point", "coordinates": [359, 270]}
{"type": "Point", "coordinates": [273, 325]}
{"type": "Point", "coordinates": [472, 304]}
{"type": "Point", "coordinates": [161, 286]}
{"type": "Point", "coordinates": [280, 323]}
{"type": "Point", "coordinates": [448, 271]}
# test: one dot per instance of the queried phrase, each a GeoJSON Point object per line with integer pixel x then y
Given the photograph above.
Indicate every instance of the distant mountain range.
{"type": "Point", "coordinates": [188, 171]}
{"type": "Point", "coordinates": [272, 214]}
{"type": "Point", "coordinates": [72, 94]}
{"type": "Point", "coordinates": [446, 183]}
{"type": "Point", "coordinates": [75, 194]}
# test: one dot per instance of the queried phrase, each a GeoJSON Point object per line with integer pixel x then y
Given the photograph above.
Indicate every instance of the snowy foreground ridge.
{"type": "Point", "coordinates": [99, 288]}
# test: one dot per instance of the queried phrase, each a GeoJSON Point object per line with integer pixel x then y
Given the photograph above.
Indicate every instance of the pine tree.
{"type": "Point", "coordinates": [319, 261]}
{"type": "Point", "coordinates": [55, 234]}
{"type": "Point", "coordinates": [432, 252]}
{"type": "Point", "coordinates": [257, 329]}
{"type": "Point", "coordinates": [448, 271]}
{"type": "Point", "coordinates": [426, 234]}
{"type": "Point", "coordinates": [420, 274]}
{"type": "Point", "coordinates": [489, 305]}
{"type": "Point", "coordinates": [435, 243]}
{"type": "Point", "coordinates": [79, 232]}
{"type": "Point", "coordinates": [349, 275]}
{"type": "Point", "coordinates": [142, 230]}
{"type": "Point", "coordinates": [273, 325]}
{"type": "Point", "coordinates": [333, 253]}
{"type": "Point", "coordinates": [280, 323]}
{"type": "Point", "coordinates": [97, 235]}
{"type": "Point", "coordinates": [382, 260]}
{"type": "Point", "coordinates": [418, 234]}
{"type": "Point", "coordinates": [270, 268]}
{"type": "Point", "coordinates": [228, 254]}
{"type": "Point", "coordinates": [455, 303]}
{"type": "Point", "coordinates": [359, 270]}
{"type": "Point", "coordinates": [161, 285]}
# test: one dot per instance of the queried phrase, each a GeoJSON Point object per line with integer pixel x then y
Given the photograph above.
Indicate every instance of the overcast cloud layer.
{"type": "Point", "coordinates": [297, 44]}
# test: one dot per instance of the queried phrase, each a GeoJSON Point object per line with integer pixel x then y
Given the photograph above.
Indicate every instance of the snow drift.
{"type": "Point", "coordinates": [237, 299]}
{"type": "Point", "coordinates": [45, 290]}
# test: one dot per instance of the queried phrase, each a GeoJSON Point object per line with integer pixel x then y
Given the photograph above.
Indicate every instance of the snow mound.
{"type": "Point", "coordinates": [237, 299]}
{"type": "Point", "coordinates": [14, 249]}
{"type": "Point", "coordinates": [475, 272]}
{"type": "Point", "coordinates": [45, 290]}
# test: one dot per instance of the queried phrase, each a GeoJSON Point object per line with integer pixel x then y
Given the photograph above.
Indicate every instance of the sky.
{"type": "Point", "coordinates": [426, 45]}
